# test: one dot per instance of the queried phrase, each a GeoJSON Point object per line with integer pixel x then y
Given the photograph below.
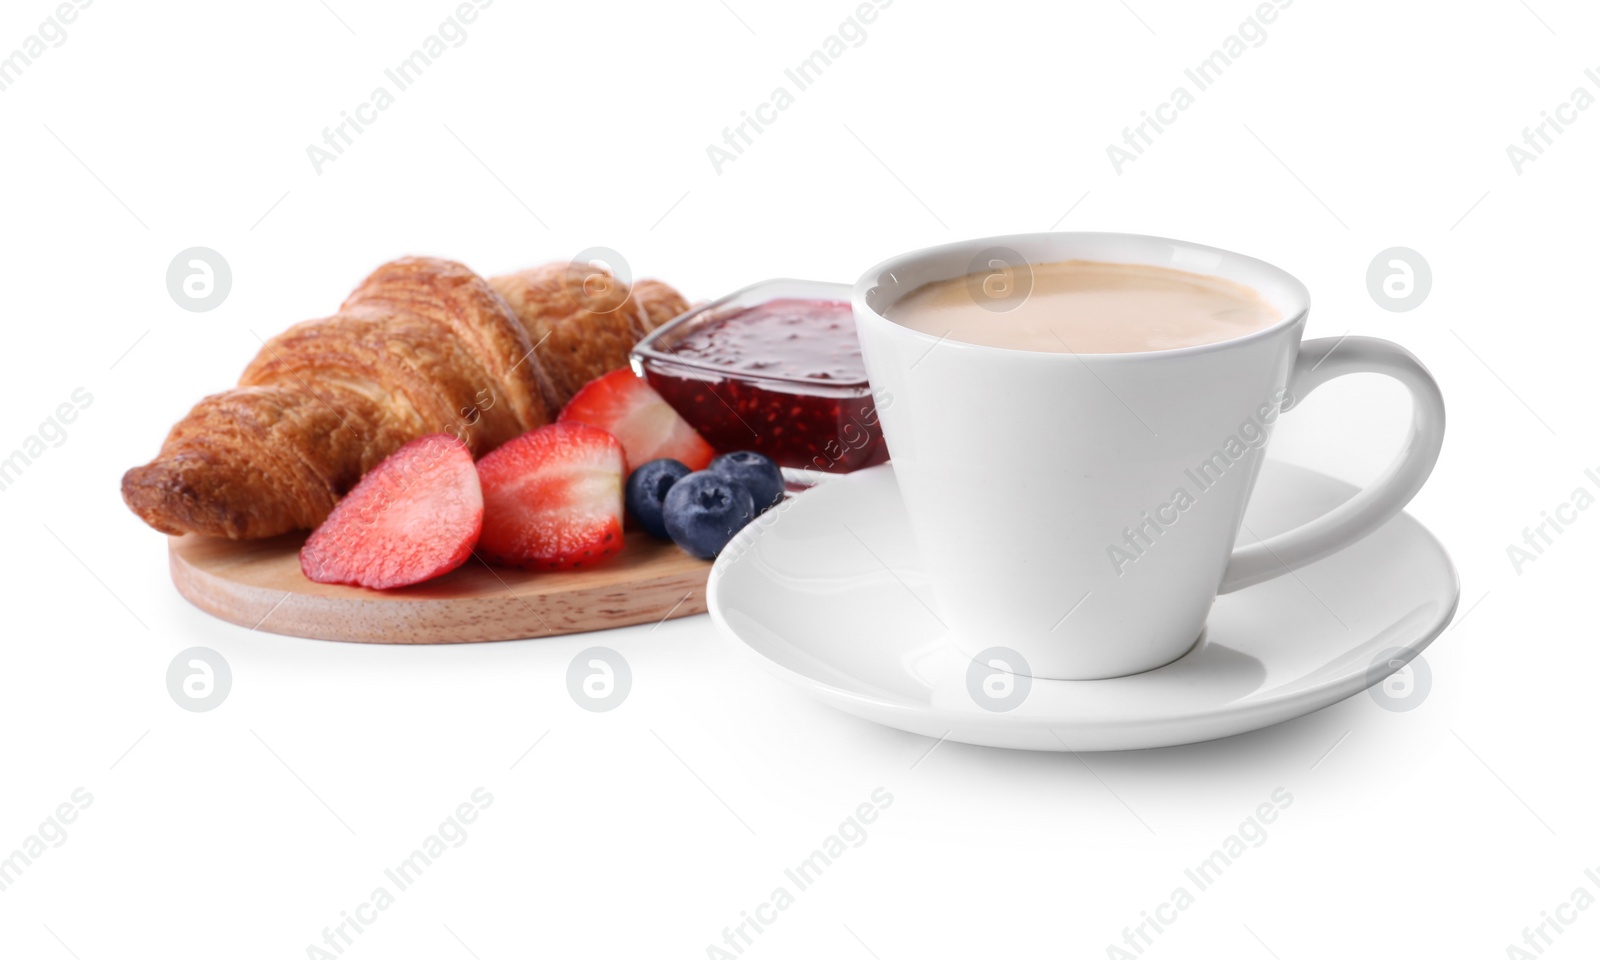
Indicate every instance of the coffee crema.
{"type": "Point", "coordinates": [1085, 306]}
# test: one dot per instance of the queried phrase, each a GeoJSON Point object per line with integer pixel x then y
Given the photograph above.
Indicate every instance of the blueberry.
{"type": "Point", "coordinates": [704, 510]}
{"type": "Point", "coordinates": [758, 474]}
{"type": "Point", "coordinates": [647, 487]}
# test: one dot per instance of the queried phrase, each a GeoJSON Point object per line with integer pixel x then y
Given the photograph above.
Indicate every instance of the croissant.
{"type": "Point", "coordinates": [422, 346]}
{"type": "Point", "coordinates": [583, 320]}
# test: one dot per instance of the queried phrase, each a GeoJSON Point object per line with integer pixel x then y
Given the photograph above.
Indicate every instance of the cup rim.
{"type": "Point", "coordinates": [868, 282]}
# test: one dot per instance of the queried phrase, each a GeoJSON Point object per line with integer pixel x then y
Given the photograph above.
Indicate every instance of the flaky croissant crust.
{"type": "Point", "coordinates": [584, 320]}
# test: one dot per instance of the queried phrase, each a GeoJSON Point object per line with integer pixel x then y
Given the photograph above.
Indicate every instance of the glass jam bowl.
{"type": "Point", "coordinates": [775, 368]}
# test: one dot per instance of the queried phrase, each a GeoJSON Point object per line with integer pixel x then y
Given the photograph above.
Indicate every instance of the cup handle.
{"type": "Point", "coordinates": [1320, 361]}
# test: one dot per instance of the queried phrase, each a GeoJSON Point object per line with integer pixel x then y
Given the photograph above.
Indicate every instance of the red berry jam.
{"type": "Point", "coordinates": [774, 370]}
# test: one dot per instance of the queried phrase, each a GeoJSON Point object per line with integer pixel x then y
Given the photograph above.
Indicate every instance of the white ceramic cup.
{"type": "Point", "coordinates": [1078, 512]}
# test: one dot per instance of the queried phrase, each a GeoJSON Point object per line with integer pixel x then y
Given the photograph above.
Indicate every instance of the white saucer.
{"type": "Point", "coordinates": [828, 593]}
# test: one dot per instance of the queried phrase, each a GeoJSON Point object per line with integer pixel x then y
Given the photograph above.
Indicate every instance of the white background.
{"type": "Point", "coordinates": [1443, 831]}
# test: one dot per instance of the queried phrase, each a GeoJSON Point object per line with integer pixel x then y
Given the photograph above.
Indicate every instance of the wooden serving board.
{"type": "Point", "coordinates": [258, 584]}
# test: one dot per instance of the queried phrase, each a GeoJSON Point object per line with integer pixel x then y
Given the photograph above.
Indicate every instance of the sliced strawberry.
{"type": "Point", "coordinates": [552, 498]}
{"type": "Point", "coordinates": [629, 409]}
{"type": "Point", "coordinates": [413, 517]}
